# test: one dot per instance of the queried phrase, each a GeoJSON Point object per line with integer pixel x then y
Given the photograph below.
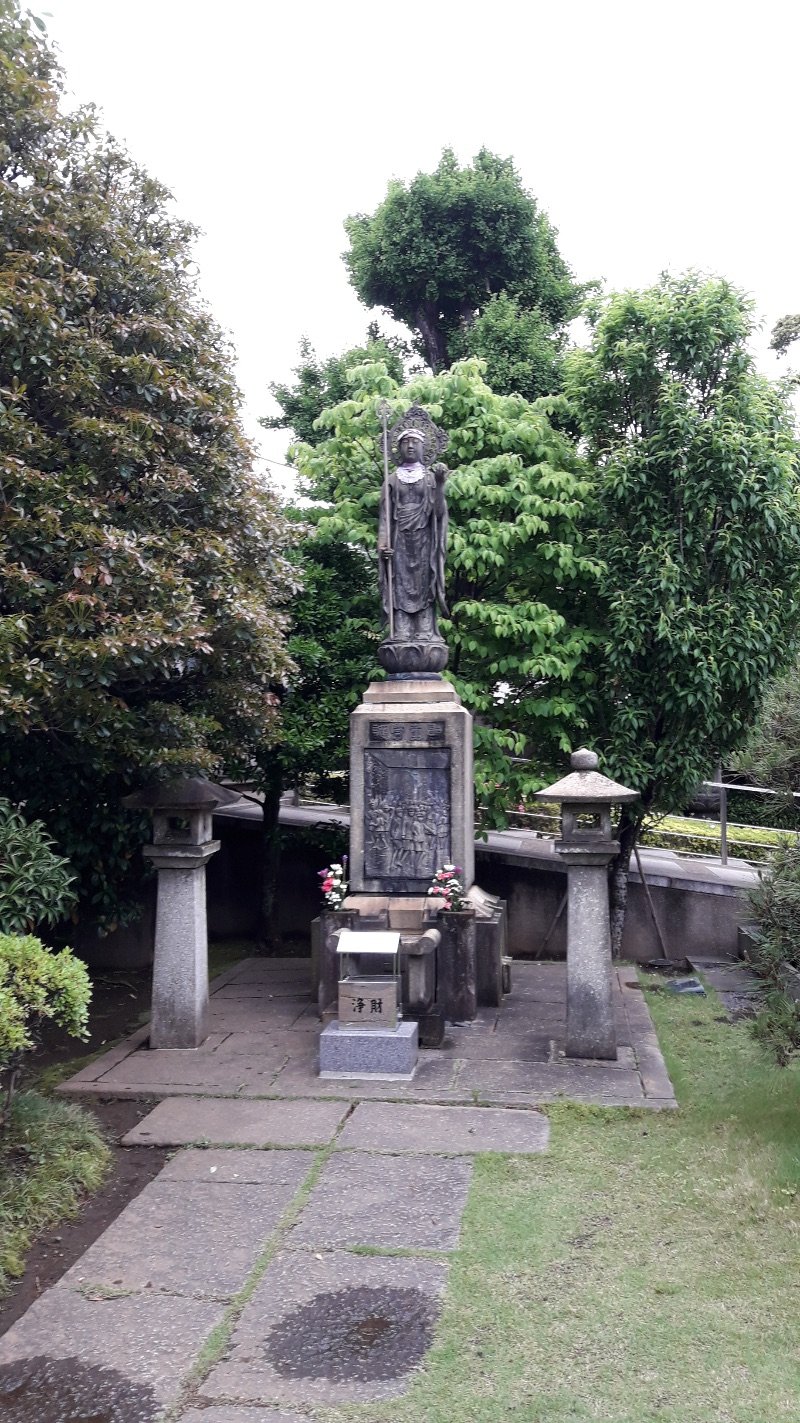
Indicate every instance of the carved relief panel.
{"type": "Point", "coordinates": [406, 815]}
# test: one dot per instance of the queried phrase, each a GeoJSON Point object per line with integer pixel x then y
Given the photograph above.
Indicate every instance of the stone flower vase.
{"type": "Point", "coordinates": [456, 973]}
{"type": "Point", "coordinates": [324, 958]}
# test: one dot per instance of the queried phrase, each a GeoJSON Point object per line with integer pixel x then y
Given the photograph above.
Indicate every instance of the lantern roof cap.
{"type": "Point", "coordinates": [184, 795]}
{"type": "Point", "coordinates": [585, 785]}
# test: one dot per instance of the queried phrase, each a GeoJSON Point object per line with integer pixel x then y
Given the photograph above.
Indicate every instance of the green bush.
{"type": "Point", "coordinates": [776, 910]}
{"type": "Point", "coordinates": [51, 1154]}
{"type": "Point", "coordinates": [35, 882]}
{"type": "Point", "coordinates": [777, 1027]}
{"type": "Point", "coordinates": [36, 986]}
{"type": "Point", "coordinates": [690, 836]}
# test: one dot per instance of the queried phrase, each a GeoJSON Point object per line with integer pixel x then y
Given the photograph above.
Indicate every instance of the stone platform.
{"type": "Point", "coordinates": [265, 1034]}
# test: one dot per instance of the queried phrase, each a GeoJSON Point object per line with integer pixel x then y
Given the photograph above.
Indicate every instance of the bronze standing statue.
{"type": "Point", "coordinates": [412, 541]}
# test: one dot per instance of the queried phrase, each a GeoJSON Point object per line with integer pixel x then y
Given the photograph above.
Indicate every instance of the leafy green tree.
{"type": "Point", "coordinates": [784, 333]}
{"type": "Point", "coordinates": [520, 581]}
{"type": "Point", "coordinates": [772, 750]}
{"type": "Point", "coordinates": [438, 249]}
{"type": "Point", "coordinates": [696, 517]}
{"type": "Point", "coordinates": [35, 883]}
{"type": "Point", "coordinates": [320, 384]}
{"type": "Point", "coordinates": [332, 639]}
{"type": "Point", "coordinates": [521, 349]}
{"type": "Point", "coordinates": [141, 559]}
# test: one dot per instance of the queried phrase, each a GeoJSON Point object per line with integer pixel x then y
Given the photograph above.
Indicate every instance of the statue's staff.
{"type": "Point", "coordinates": [387, 553]}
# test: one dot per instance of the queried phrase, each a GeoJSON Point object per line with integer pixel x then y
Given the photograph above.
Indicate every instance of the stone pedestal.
{"type": "Point", "coordinates": [490, 946]}
{"type": "Point", "coordinates": [411, 786]}
{"type": "Point", "coordinates": [180, 965]}
{"type": "Point", "coordinates": [591, 1029]}
{"type": "Point", "coordinates": [324, 959]}
{"type": "Point", "coordinates": [456, 989]}
{"type": "Point", "coordinates": [347, 1050]}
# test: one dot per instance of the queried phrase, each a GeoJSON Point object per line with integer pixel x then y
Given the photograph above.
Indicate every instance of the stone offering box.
{"type": "Point", "coordinates": [369, 972]}
{"type": "Point", "coordinates": [368, 1039]}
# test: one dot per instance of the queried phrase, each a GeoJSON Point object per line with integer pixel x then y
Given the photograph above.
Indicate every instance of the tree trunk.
{"type": "Point", "coordinates": [267, 936]}
{"type": "Point", "coordinates": [432, 339]}
{"type": "Point", "coordinates": [627, 835]}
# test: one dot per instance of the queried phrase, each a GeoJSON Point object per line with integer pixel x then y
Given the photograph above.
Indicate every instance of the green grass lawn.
{"type": "Point", "coordinates": [646, 1268]}
{"type": "Point", "coordinates": [52, 1154]}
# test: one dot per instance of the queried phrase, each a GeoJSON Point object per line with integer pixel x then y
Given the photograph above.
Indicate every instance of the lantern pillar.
{"type": "Point", "coordinates": [586, 848]}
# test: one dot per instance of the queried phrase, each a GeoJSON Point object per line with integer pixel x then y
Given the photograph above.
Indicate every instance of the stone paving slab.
{"type": "Point", "coordinates": [544, 1081]}
{"type": "Point", "coordinates": [186, 1239]}
{"type": "Point", "coordinates": [304, 1336]}
{"type": "Point", "coordinates": [520, 1016]}
{"type": "Point", "coordinates": [521, 1047]}
{"type": "Point", "coordinates": [221, 1121]}
{"type": "Point", "coordinates": [211, 1073]}
{"type": "Point", "coordinates": [388, 1126]}
{"type": "Point", "coordinates": [151, 1339]}
{"type": "Point", "coordinates": [241, 1415]}
{"type": "Point", "coordinates": [388, 1202]}
{"type": "Point", "coordinates": [237, 1166]}
{"type": "Point", "coordinates": [261, 988]}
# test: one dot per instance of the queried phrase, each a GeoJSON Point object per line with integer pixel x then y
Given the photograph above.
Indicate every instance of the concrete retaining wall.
{"type": "Point", "coordinates": [699, 904]}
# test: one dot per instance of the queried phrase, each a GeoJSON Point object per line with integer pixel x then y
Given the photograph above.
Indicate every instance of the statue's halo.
{"type": "Point", "coordinates": [417, 421]}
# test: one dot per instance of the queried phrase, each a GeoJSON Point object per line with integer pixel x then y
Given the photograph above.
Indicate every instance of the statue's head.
{"type": "Point", "coordinates": [411, 447]}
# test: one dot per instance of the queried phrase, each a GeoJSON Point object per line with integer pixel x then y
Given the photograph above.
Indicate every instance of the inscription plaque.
{"type": "Point", "coordinates": [370, 1002]}
{"type": "Point", "coordinates": [393, 732]}
{"type": "Point", "coordinates": [406, 814]}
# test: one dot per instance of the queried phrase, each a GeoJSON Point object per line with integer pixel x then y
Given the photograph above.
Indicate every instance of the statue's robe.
{"type": "Point", "coordinates": [418, 537]}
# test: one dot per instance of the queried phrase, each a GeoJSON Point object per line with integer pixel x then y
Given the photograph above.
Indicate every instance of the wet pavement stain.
{"type": "Point", "coordinates": [44, 1390]}
{"type": "Point", "coordinates": [360, 1335]}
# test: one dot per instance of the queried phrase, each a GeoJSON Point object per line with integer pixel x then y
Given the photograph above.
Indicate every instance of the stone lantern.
{"type": "Point", "coordinates": [182, 844]}
{"type": "Point", "coordinates": [587, 846]}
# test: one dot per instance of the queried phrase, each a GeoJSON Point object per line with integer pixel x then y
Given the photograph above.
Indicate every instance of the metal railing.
{"type": "Point", "coordinates": [546, 824]}
{"type": "Point", "coordinates": [724, 787]}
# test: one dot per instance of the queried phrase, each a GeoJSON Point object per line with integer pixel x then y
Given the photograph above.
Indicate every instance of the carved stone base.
{"type": "Point", "coordinates": [410, 787]}
{"type": "Point", "coordinates": [428, 656]}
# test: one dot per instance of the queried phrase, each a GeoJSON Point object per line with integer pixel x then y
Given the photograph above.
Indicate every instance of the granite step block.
{"type": "Point", "coordinates": [221, 1121]}
{"type": "Point", "coordinates": [394, 1127]}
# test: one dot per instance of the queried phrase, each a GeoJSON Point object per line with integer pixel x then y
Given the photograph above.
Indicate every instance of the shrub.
{"type": "Point", "coordinates": [776, 907]}
{"type": "Point", "coordinates": [777, 1027]}
{"type": "Point", "coordinates": [776, 910]}
{"type": "Point", "coordinates": [36, 986]}
{"type": "Point", "coordinates": [51, 1154]}
{"type": "Point", "coordinates": [35, 882]}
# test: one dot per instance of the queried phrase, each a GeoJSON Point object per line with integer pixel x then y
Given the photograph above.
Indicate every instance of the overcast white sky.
{"type": "Point", "coordinates": [656, 136]}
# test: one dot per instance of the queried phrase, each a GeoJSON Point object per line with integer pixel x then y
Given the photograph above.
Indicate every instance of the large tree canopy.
{"type": "Point", "coordinates": [696, 516]}
{"type": "Point", "coordinates": [437, 249]}
{"type": "Point", "coordinates": [141, 559]}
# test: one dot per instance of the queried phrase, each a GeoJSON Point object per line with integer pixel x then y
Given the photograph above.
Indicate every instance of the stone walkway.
{"type": "Point", "coordinates": [241, 1280]}
{"type": "Point", "coordinates": [293, 1253]}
